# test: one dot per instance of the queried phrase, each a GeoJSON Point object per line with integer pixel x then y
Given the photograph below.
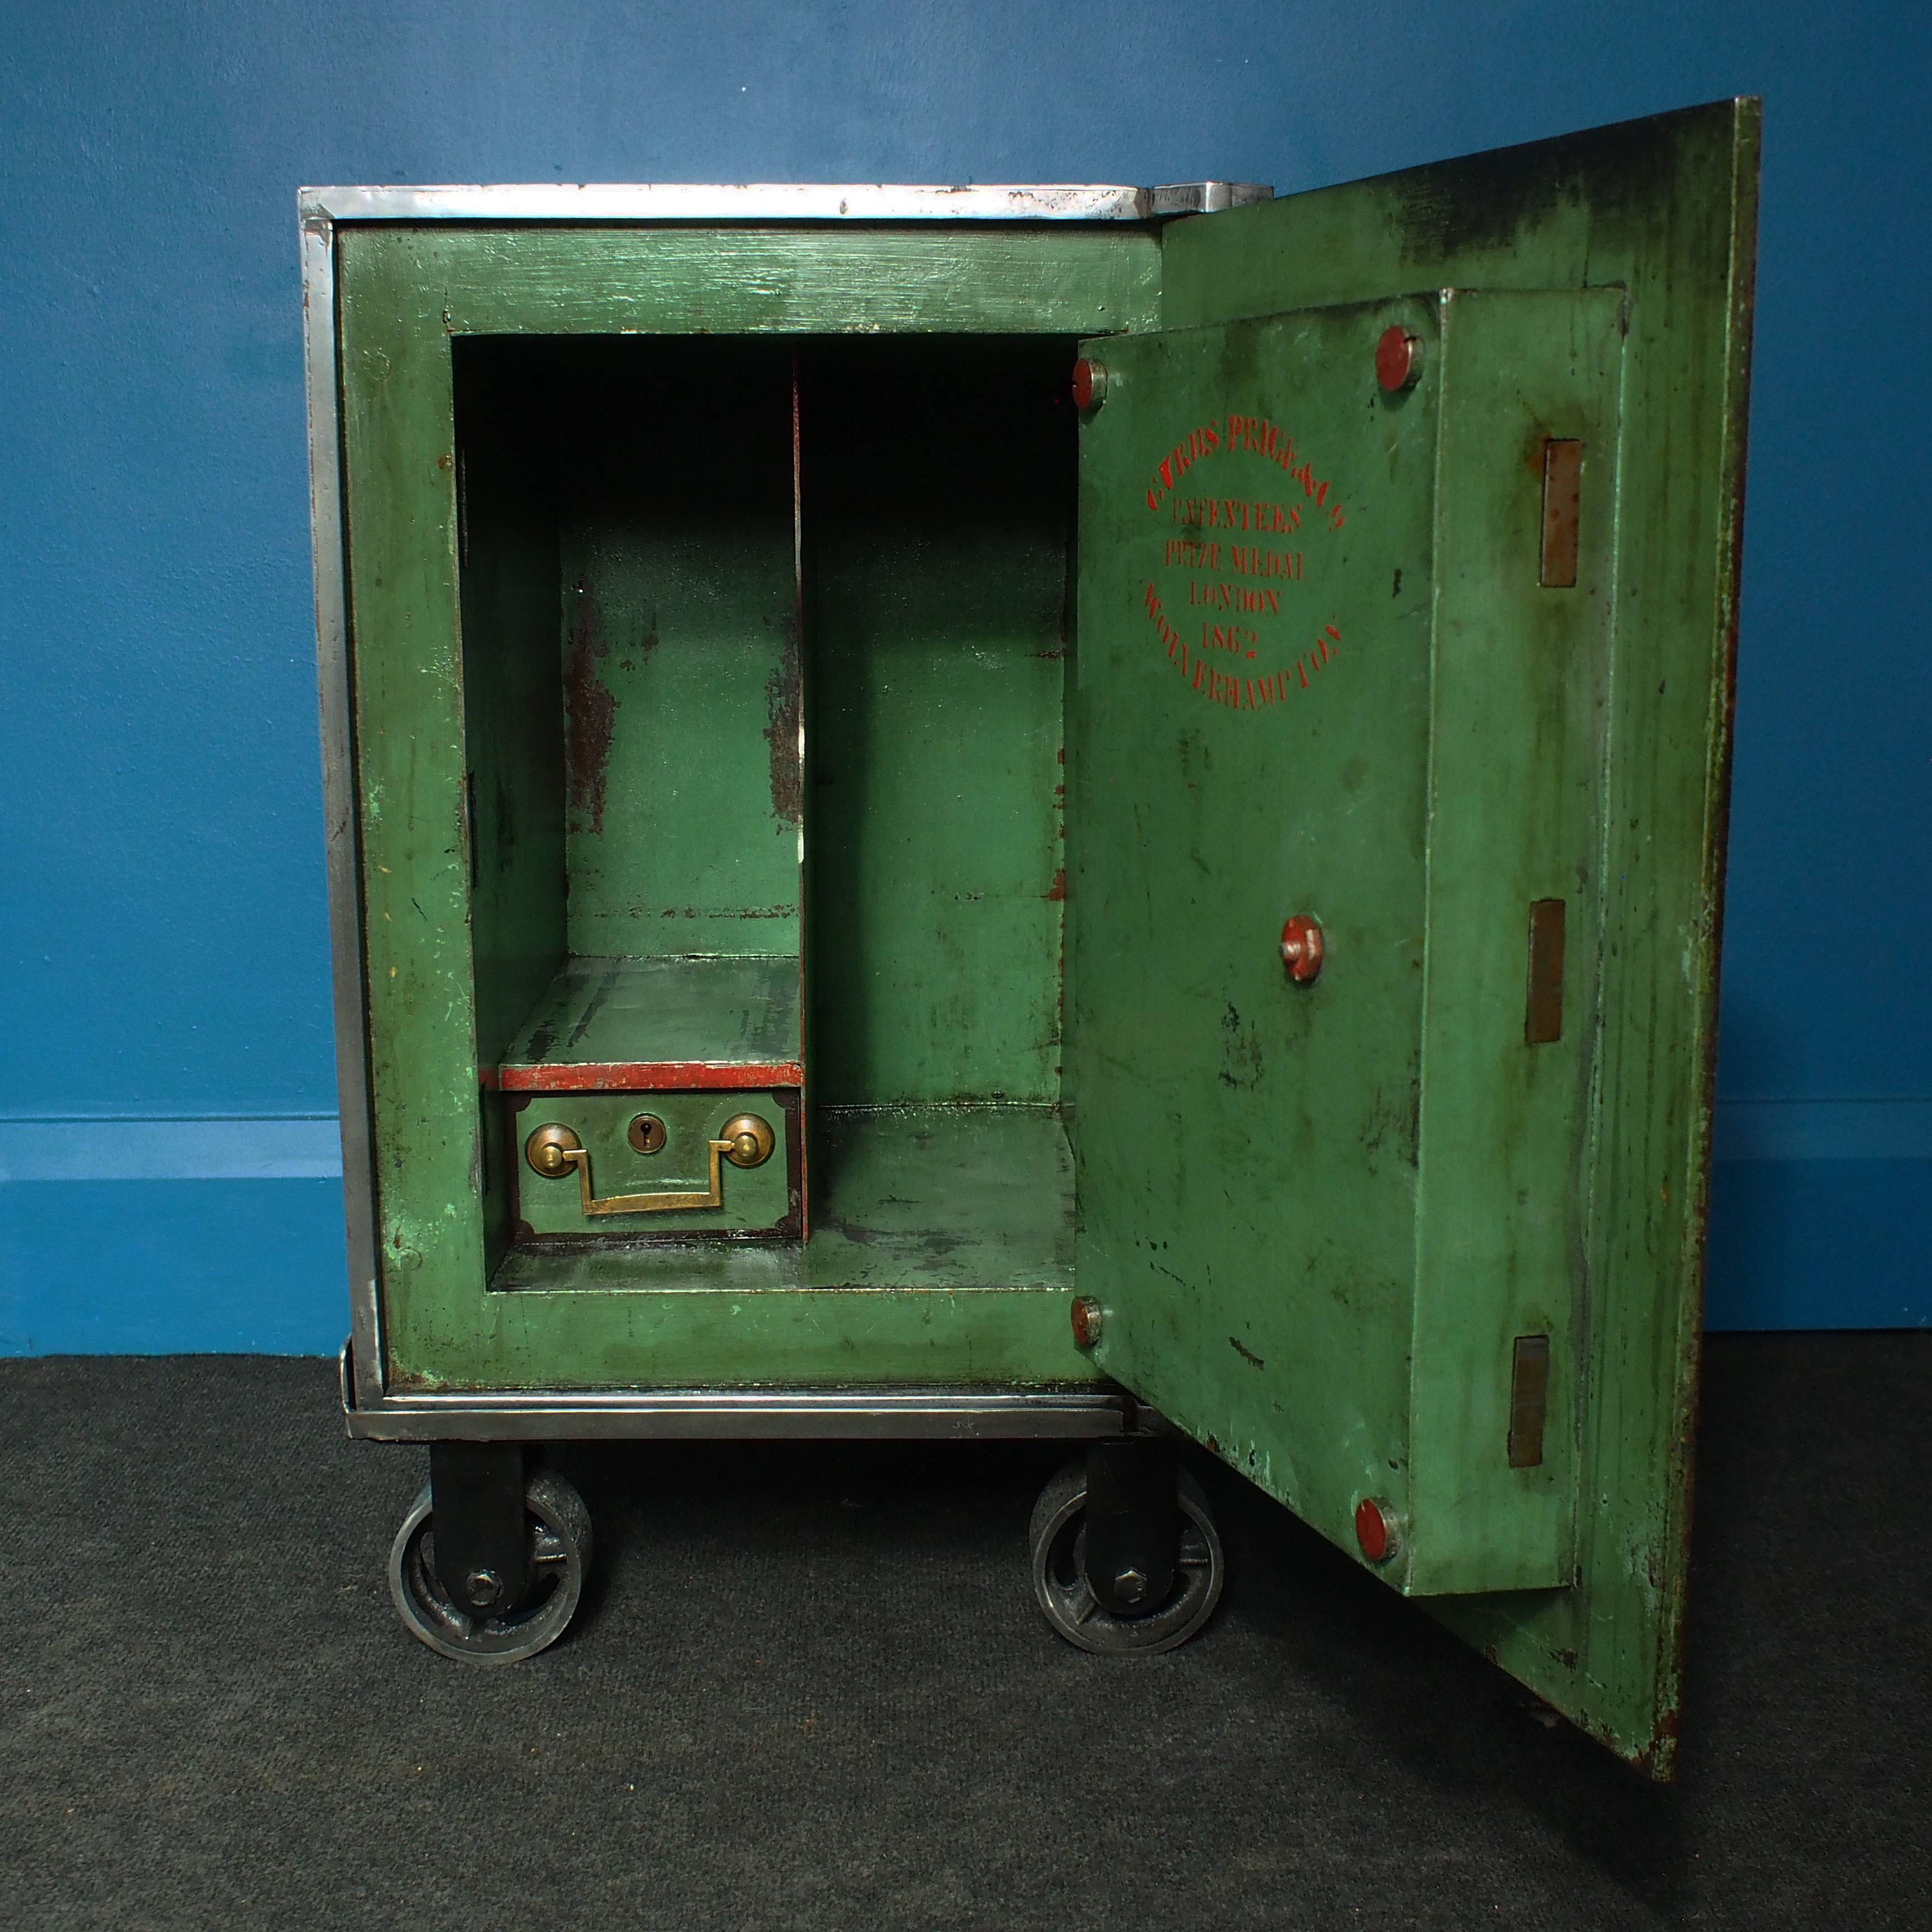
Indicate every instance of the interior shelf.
{"type": "Point", "coordinates": [943, 1197]}
{"type": "Point", "coordinates": [661, 1022]}
{"type": "Point", "coordinates": [950, 1198]}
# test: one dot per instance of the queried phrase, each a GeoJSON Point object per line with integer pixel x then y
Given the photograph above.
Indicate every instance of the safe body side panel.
{"type": "Point", "coordinates": [403, 294]}
{"type": "Point", "coordinates": [1520, 681]}
{"type": "Point", "coordinates": [513, 797]}
{"type": "Point", "coordinates": [426, 1126]}
{"type": "Point", "coordinates": [1252, 718]}
{"type": "Point", "coordinates": [1667, 208]}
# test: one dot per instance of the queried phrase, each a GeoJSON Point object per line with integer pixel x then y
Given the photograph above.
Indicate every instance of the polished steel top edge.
{"type": "Point", "coordinates": [780, 201]}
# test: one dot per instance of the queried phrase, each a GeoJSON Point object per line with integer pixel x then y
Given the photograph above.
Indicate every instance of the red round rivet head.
{"type": "Point", "coordinates": [1086, 1322]}
{"type": "Point", "coordinates": [1375, 1528]}
{"type": "Point", "coordinates": [1301, 949]}
{"type": "Point", "coordinates": [1089, 383]}
{"type": "Point", "coordinates": [1398, 359]}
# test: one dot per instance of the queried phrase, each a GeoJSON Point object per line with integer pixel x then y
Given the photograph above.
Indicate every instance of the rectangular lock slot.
{"type": "Point", "coordinates": [1542, 1018]}
{"type": "Point", "coordinates": [1562, 489]}
{"type": "Point", "coordinates": [1529, 1400]}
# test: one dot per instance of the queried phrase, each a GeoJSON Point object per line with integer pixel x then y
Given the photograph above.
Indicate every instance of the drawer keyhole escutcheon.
{"type": "Point", "coordinates": [553, 1150]}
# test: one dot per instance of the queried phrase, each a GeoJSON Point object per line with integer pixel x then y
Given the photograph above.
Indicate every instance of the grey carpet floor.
{"type": "Point", "coordinates": [808, 1688]}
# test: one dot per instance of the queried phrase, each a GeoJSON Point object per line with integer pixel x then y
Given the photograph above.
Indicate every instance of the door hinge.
{"type": "Point", "coordinates": [1201, 197]}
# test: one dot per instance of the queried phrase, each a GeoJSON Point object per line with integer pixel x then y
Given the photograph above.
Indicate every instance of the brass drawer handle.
{"type": "Point", "coordinates": [553, 1150]}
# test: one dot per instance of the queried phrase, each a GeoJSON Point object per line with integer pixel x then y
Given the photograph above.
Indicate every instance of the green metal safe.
{"type": "Point", "coordinates": [1069, 812]}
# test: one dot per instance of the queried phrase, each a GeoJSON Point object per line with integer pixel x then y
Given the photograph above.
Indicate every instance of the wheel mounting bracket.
{"type": "Point", "coordinates": [1133, 1523]}
{"type": "Point", "coordinates": [482, 1542]}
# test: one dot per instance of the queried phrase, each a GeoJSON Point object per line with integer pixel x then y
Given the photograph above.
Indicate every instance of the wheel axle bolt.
{"type": "Point", "coordinates": [483, 1587]}
{"type": "Point", "coordinates": [1086, 1312]}
{"type": "Point", "coordinates": [1089, 383]}
{"type": "Point", "coordinates": [1130, 1585]}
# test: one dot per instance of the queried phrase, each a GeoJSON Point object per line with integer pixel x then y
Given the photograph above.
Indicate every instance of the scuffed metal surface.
{"type": "Point", "coordinates": [680, 201]}
{"type": "Point", "coordinates": [591, 708]}
{"type": "Point", "coordinates": [783, 702]}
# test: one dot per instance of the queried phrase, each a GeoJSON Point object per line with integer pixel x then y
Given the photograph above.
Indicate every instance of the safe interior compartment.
{"type": "Point", "coordinates": [765, 644]}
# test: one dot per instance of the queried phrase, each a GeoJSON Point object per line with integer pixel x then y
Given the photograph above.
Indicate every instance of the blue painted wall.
{"type": "Point", "coordinates": [165, 1088]}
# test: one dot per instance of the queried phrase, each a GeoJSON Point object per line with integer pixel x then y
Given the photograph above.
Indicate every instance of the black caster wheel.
{"type": "Point", "coordinates": [1058, 1536]}
{"type": "Point", "coordinates": [559, 1531]}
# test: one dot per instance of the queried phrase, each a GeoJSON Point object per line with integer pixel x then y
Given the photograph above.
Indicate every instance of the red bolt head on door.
{"type": "Point", "coordinates": [1377, 1529]}
{"type": "Point", "coordinates": [1301, 949]}
{"type": "Point", "coordinates": [1086, 1314]}
{"type": "Point", "coordinates": [1398, 359]}
{"type": "Point", "coordinates": [1089, 383]}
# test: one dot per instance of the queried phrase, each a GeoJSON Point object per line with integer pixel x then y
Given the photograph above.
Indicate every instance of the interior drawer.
{"type": "Point", "coordinates": [640, 1165]}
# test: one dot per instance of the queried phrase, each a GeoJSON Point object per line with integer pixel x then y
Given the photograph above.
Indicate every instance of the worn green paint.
{"type": "Point", "coordinates": [427, 1129]}
{"type": "Point", "coordinates": [1520, 678]}
{"type": "Point", "coordinates": [950, 1200]}
{"type": "Point", "coordinates": [739, 1317]}
{"type": "Point", "coordinates": [1184, 1077]}
{"type": "Point", "coordinates": [512, 802]}
{"type": "Point", "coordinates": [1053, 279]}
{"type": "Point", "coordinates": [754, 1199]}
{"type": "Point", "coordinates": [1361, 1191]}
{"type": "Point", "coordinates": [680, 656]}
{"type": "Point", "coordinates": [942, 1251]}
{"type": "Point", "coordinates": [1666, 210]}
{"type": "Point", "coordinates": [410, 298]}
{"type": "Point", "coordinates": [936, 628]}
{"type": "Point", "coordinates": [720, 1011]}
{"type": "Point", "coordinates": [468, 279]}
{"type": "Point", "coordinates": [957, 1198]}
{"type": "Point", "coordinates": [1246, 1147]}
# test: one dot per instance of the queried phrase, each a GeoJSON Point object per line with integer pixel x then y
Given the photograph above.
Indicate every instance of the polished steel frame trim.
{"type": "Point", "coordinates": [783, 201]}
{"type": "Point", "coordinates": [321, 209]}
{"type": "Point", "coordinates": [329, 535]}
{"type": "Point", "coordinates": [701, 1414]}
{"type": "Point", "coordinates": [774, 201]}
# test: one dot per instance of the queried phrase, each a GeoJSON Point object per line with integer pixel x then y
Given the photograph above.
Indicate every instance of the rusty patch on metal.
{"type": "Point", "coordinates": [1562, 510]}
{"type": "Point", "coordinates": [590, 712]}
{"type": "Point", "coordinates": [1056, 891]}
{"type": "Point", "coordinates": [784, 714]}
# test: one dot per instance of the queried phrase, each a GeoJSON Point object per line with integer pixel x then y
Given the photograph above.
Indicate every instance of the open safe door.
{"type": "Point", "coordinates": [1408, 556]}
